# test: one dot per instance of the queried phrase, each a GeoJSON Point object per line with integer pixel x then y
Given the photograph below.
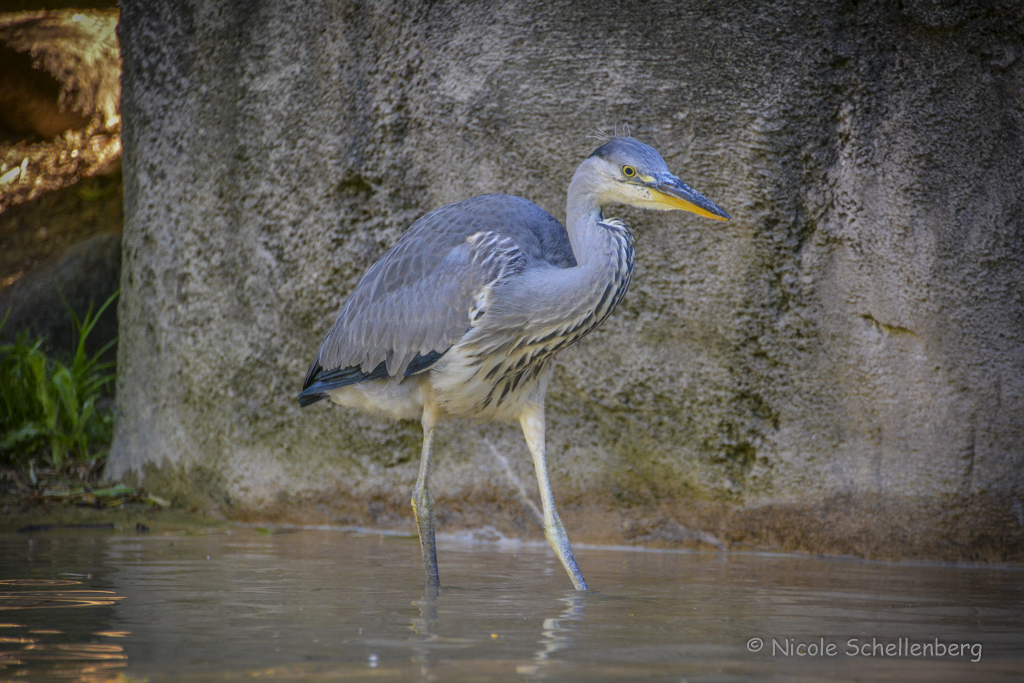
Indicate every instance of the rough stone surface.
{"type": "Point", "coordinates": [840, 368]}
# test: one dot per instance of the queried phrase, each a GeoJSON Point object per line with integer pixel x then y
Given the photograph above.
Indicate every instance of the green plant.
{"type": "Point", "coordinates": [49, 410]}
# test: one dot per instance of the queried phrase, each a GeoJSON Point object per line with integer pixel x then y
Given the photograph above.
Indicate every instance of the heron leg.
{"type": "Point", "coordinates": [423, 502]}
{"type": "Point", "coordinates": [532, 422]}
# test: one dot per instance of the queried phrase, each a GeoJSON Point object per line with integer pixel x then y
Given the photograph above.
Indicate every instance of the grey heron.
{"type": "Point", "coordinates": [464, 315]}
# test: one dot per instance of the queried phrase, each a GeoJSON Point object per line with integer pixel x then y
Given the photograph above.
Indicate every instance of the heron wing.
{"type": "Point", "coordinates": [415, 302]}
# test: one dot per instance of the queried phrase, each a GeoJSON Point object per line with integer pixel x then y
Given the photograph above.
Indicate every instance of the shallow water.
{"type": "Point", "coordinates": [338, 605]}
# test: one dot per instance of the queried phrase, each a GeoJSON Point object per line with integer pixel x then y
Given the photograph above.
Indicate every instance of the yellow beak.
{"type": "Point", "coordinates": [670, 192]}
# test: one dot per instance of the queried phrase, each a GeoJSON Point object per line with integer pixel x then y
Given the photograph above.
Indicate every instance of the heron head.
{"type": "Point", "coordinates": [630, 172]}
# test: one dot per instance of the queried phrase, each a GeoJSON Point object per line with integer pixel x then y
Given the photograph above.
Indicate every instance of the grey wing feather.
{"type": "Point", "coordinates": [414, 303]}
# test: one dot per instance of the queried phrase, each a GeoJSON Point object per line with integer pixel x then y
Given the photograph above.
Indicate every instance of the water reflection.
{"type": "Point", "coordinates": [11, 600]}
{"type": "Point", "coordinates": [557, 632]}
{"type": "Point", "coordinates": [425, 623]}
{"type": "Point", "coordinates": [39, 582]}
{"type": "Point", "coordinates": [28, 651]}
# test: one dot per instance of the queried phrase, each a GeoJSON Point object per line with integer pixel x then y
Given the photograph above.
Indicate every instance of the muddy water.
{"type": "Point", "coordinates": [336, 605]}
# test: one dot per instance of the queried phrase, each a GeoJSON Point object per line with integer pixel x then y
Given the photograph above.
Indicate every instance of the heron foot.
{"type": "Point", "coordinates": [423, 510]}
{"type": "Point", "coordinates": [558, 539]}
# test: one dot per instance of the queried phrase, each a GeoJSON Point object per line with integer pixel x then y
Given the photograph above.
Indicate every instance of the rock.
{"type": "Point", "coordinates": [838, 369]}
{"type": "Point", "coordinates": [43, 229]}
{"type": "Point", "coordinates": [86, 275]}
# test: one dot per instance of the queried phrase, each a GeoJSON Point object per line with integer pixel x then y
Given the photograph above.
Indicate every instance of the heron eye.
{"type": "Point", "coordinates": [628, 171]}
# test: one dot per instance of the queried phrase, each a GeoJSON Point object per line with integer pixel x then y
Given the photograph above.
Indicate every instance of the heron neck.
{"type": "Point", "coordinates": [566, 303]}
{"type": "Point", "coordinates": [582, 215]}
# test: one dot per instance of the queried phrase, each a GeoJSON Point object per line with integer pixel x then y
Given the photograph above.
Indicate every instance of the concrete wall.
{"type": "Point", "coordinates": [839, 369]}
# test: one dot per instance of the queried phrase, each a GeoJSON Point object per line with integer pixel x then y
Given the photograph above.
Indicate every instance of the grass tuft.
{"type": "Point", "coordinates": [53, 413]}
